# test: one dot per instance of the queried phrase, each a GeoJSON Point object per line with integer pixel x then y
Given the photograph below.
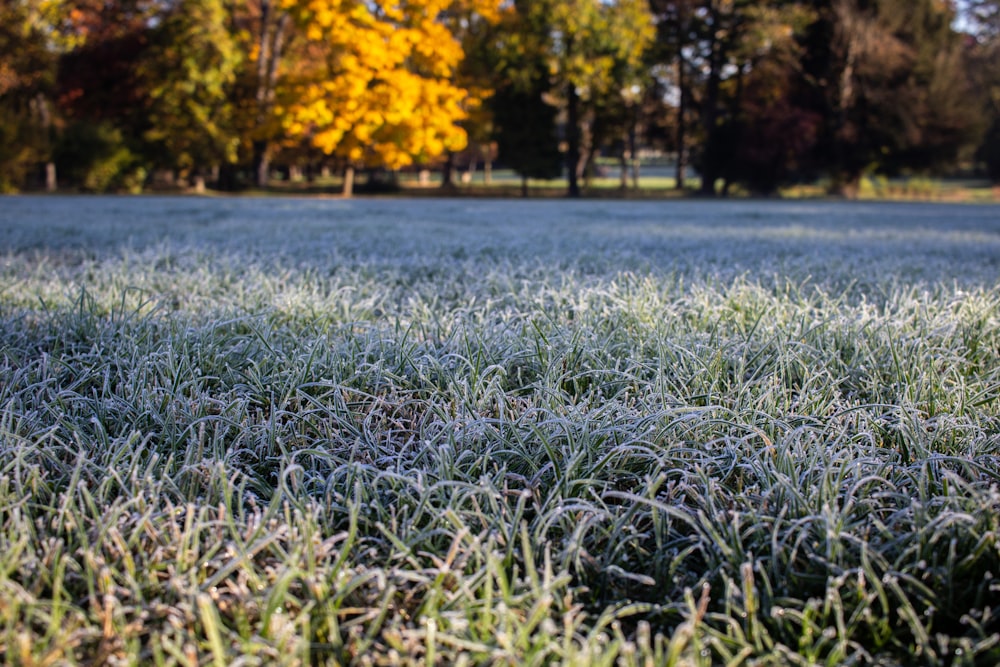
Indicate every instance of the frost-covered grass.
{"type": "Point", "coordinates": [294, 432]}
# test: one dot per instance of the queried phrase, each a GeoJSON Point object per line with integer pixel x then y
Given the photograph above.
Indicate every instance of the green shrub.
{"type": "Point", "coordinates": [97, 158]}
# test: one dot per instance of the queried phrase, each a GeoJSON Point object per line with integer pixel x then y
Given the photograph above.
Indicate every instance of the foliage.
{"type": "Point", "coordinates": [27, 72]}
{"type": "Point", "coordinates": [98, 159]}
{"type": "Point", "coordinates": [378, 91]}
{"type": "Point", "coordinates": [524, 115]}
{"type": "Point", "coordinates": [896, 85]}
{"type": "Point", "coordinates": [190, 72]}
{"type": "Point", "coordinates": [754, 94]}
{"type": "Point", "coordinates": [597, 50]}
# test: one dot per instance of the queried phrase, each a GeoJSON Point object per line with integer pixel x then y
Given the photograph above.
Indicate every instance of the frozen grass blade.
{"type": "Point", "coordinates": [707, 442]}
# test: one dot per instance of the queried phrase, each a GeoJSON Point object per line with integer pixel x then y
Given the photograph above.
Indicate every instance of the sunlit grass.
{"type": "Point", "coordinates": [308, 432]}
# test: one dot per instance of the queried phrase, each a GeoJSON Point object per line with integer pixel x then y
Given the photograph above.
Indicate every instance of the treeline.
{"type": "Point", "coordinates": [111, 95]}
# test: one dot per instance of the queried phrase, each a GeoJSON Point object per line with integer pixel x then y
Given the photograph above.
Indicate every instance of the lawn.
{"type": "Point", "coordinates": [307, 431]}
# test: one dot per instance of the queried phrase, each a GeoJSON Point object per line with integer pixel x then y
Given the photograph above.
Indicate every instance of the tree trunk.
{"type": "Point", "coordinates": [681, 173]}
{"type": "Point", "coordinates": [488, 170]}
{"type": "Point", "coordinates": [633, 149]}
{"type": "Point", "coordinates": [524, 187]}
{"type": "Point", "coordinates": [348, 182]}
{"type": "Point", "coordinates": [682, 157]}
{"type": "Point", "coordinates": [261, 163]}
{"type": "Point", "coordinates": [448, 172]}
{"type": "Point", "coordinates": [573, 140]}
{"type": "Point", "coordinates": [710, 115]}
{"type": "Point", "coordinates": [271, 47]}
{"type": "Point", "coordinates": [51, 183]}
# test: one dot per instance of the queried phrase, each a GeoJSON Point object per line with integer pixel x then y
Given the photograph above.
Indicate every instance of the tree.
{"type": "Point", "coordinates": [526, 137]}
{"type": "Point", "coordinates": [983, 19]}
{"type": "Point", "coordinates": [28, 57]}
{"type": "Point", "coordinates": [890, 86]}
{"type": "Point", "coordinates": [473, 24]}
{"type": "Point", "coordinates": [265, 27]}
{"type": "Point", "coordinates": [773, 133]}
{"type": "Point", "coordinates": [769, 127]}
{"type": "Point", "coordinates": [99, 76]}
{"type": "Point", "coordinates": [189, 72]}
{"type": "Point", "coordinates": [597, 46]}
{"type": "Point", "coordinates": [523, 112]}
{"type": "Point", "coordinates": [719, 51]}
{"type": "Point", "coordinates": [378, 89]}
{"type": "Point", "coordinates": [101, 93]}
{"type": "Point", "coordinates": [675, 34]}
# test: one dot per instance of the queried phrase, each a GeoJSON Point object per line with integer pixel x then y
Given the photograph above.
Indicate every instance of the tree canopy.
{"type": "Point", "coordinates": [759, 93]}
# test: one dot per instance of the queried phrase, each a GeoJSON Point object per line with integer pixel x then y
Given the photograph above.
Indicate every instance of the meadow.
{"type": "Point", "coordinates": [307, 431]}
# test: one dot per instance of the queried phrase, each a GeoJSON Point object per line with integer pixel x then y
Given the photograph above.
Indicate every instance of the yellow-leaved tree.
{"type": "Point", "coordinates": [378, 88]}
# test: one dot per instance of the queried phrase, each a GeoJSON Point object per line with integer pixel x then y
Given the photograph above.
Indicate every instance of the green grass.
{"type": "Point", "coordinates": [658, 182]}
{"type": "Point", "coordinates": [281, 433]}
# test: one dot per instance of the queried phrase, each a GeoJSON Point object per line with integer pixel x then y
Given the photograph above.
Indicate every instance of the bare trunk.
{"type": "Point", "coordinates": [40, 108]}
{"type": "Point", "coordinates": [633, 150]}
{"type": "Point", "coordinates": [524, 186]}
{"type": "Point", "coordinates": [348, 182]}
{"type": "Point", "coordinates": [51, 183]}
{"type": "Point", "coordinates": [488, 170]}
{"type": "Point", "coordinates": [448, 172]}
{"type": "Point", "coordinates": [573, 140]}
{"type": "Point", "coordinates": [680, 175]}
{"type": "Point", "coordinates": [710, 118]}
{"type": "Point", "coordinates": [262, 163]}
{"type": "Point", "coordinates": [271, 47]}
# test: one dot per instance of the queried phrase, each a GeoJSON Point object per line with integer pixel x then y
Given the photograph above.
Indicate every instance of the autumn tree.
{"type": "Point", "coordinates": [770, 130]}
{"type": "Point", "coordinates": [28, 58]}
{"type": "Point", "coordinates": [719, 51]}
{"type": "Point", "coordinates": [101, 93]}
{"type": "Point", "coordinates": [617, 93]}
{"type": "Point", "coordinates": [378, 89]}
{"type": "Point", "coordinates": [264, 30]}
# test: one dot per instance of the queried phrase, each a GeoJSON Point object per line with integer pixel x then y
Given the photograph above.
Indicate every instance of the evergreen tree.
{"type": "Point", "coordinates": [526, 131]}
{"type": "Point", "coordinates": [524, 116]}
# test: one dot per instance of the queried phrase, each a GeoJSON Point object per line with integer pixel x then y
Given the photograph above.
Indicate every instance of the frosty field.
{"type": "Point", "coordinates": [307, 431]}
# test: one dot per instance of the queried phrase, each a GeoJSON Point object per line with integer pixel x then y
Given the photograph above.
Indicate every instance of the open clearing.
{"type": "Point", "coordinates": [282, 431]}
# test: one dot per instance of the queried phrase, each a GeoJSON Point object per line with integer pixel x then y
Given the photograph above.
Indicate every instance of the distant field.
{"type": "Point", "coordinates": [657, 181]}
{"type": "Point", "coordinates": [308, 431]}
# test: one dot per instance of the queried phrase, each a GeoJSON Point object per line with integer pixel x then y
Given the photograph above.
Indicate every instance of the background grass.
{"type": "Point", "coordinates": [301, 431]}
